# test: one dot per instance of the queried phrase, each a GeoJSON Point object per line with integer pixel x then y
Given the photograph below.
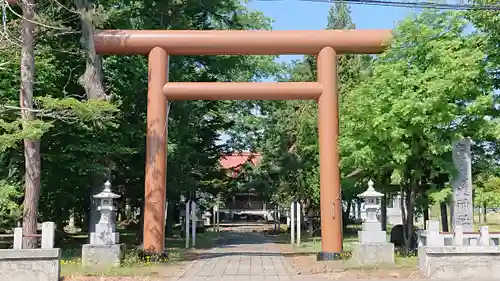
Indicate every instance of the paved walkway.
{"type": "Point", "coordinates": [242, 256]}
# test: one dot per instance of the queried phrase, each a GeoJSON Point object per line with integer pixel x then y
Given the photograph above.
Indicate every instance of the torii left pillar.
{"type": "Point", "coordinates": [156, 153]}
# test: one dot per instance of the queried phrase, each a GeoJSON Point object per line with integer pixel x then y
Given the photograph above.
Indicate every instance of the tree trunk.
{"type": "Point", "coordinates": [383, 212]}
{"type": "Point", "coordinates": [426, 216]}
{"type": "Point", "coordinates": [31, 147]}
{"type": "Point", "coordinates": [485, 220]}
{"type": "Point", "coordinates": [92, 82]}
{"type": "Point", "coordinates": [444, 216]}
{"type": "Point", "coordinates": [410, 206]}
{"type": "Point", "coordinates": [385, 181]}
{"type": "Point", "coordinates": [425, 207]}
{"type": "Point", "coordinates": [92, 79]}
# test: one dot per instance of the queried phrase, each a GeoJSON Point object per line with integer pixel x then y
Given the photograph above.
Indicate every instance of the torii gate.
{"type": "Point", "coordinates": [158, 45]}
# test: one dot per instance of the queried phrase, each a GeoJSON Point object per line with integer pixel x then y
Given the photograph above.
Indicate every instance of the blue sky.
{"type": "Point", "coordinates": [300, 15]}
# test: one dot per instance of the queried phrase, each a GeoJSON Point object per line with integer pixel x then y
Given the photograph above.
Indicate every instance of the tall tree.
{"type": "Point", "coordinates": [31, 146]}
{"type": "Point", "coordinates": [92, 81]}
{"type": "Point", "coordinates": [488, 22]}
{"type": "Point", "coordinates": [427, 90]}
{"type": "Point", "coordinates": [78, 131]}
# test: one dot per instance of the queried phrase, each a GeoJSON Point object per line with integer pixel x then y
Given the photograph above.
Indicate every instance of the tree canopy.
{"type": "Point", "coordinates": [400, 111]}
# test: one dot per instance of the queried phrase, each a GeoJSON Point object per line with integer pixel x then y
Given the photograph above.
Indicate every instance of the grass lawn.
{"type": "Point", "coordinates": [492, 219]}
{"type": "Point", "coordinates": [132, 265]}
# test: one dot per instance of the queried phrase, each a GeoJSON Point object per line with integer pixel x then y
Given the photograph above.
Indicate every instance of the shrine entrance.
{"type": "Point", "coordinates": [158, 45]}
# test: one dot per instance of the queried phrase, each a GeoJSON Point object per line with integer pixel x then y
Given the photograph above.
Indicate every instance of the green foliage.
{"type": "Point", "coordinates": [487, 191]}
{"type": "Point", "coordinates": [440, 195]}
{"type": "Point", "coordinates": [17, 130]}
{"type": "Point", "coordinates": [488, 22]}
{"type": "Point", "coordinates": [10, 209]}
{"type": "Point", "coordinates": [81, 139]}
{"type": "Point", "coordinates": [399, 111]}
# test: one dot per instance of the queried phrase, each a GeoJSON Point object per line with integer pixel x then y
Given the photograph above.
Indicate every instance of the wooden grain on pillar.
{"type": "Point", "coordinates": [156, 153]}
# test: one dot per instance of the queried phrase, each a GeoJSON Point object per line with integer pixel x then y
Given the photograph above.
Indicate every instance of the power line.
{"type": "Point", "coordinates": [407, 4]}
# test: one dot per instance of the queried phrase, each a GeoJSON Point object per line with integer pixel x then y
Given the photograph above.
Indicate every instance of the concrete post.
{"type": "Point", "coordinates": [193, 223]}
{"type": "Point", "coordinates": [48, 229]}
{"type": "Point", "coordinates": [218, 217]}
{"type": "Point", "coordinates": [18, 238]}
{"type": "Point", "coordinates": [214, 218]}
{"type": "Point", "coordinates": [432, 234]}
{"type": "Point", "coordinates": [187, 218]}
{"type": "Point", "coordinates": [292, 223]}
{"type": "Point", "coordinates": [279, 219]}
{"type": "Point", "coordinates": [299, 224]}
{"type": "Point", "coordinates": [458, 236]}
{"type": "Point", "coordinates": [484, 236]}
{"type": "Point", "coordinates": [275, 215]}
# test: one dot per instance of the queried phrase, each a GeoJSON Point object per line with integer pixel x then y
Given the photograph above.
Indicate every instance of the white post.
{"type": "Point", "coordinates": [279, 219]}
{"type": "Point", "coordinates": [292, 224]}
{"type": "Point", "coordinates": [484, 236]}
{"type": "Point", "coordinates": [193, 222]}
{"type": "Point", "coordinates": [275, 214]}
{"type": "Point", "coordinates": [188, 220]}
{"type": "Point", "coordinates": [299, 211]}
{"type": "Point", "coordinates": [218, 217]}
{"type": "Point", "coordinates": [48, 229]}
{"type": "Point", "coordinates": [433, 237]}
{"type": "Point", "coordinates": [18, 238]}
{"type": "Point", "coordinates": [214, 219]}
{"type": "Point", "coordinates": [458, 236]}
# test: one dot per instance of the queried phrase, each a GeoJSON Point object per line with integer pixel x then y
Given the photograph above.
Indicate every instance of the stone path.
{"type": "Point", "coordinates": [242, 256]}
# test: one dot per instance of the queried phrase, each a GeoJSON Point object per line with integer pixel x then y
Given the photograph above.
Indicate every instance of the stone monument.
{"type": "Point", "coordinates": [104, 248]}
{"type": "Point", "coordinates": [462, 208]}
{"type": "Point", "coordinates": [373, 248]}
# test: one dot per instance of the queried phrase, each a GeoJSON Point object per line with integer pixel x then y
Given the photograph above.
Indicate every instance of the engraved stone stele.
{"type": "Point", "coordinates": [104, 249]}
{"type": "Point", "coordinates": [462, 208]}
{"type": "Point", "coordinates": [373, 248]}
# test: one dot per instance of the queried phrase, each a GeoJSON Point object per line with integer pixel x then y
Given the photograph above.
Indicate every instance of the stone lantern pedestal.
{"type": "Point", "coordinates": [373, 248]}
{"type": "Point", "coordinates": [104, 249]}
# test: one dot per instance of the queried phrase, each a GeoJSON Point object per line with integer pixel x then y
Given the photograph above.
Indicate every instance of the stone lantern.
{"type": "Point", "coordinates": [372, 201]}
{"type": "Point", "coordinates": [104, 248]}
{"type": "Point", "coordinates": [373, 247]}
{"type": "Point", "coordinates": [105, 230]}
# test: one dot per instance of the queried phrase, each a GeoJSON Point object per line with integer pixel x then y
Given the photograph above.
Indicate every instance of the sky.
{"type": "Point", "coordinates": [306, 15]}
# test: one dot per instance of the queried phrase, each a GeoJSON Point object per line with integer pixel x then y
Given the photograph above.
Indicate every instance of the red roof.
{"type": "Point", "coordinates": [234, 161]}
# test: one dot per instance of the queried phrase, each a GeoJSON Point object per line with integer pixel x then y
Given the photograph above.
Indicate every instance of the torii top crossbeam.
{"type": "Point", "coordinates": [240, 42]}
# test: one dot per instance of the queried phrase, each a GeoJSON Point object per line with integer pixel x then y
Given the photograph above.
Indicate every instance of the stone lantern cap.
{"type": "Point", "coordinates": [106, 193]}
{"type": "Point", "coordinates": [370, 192]}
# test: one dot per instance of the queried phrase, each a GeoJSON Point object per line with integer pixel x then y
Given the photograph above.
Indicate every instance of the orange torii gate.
{"type": "Point", "coordinates": [158, 45]}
